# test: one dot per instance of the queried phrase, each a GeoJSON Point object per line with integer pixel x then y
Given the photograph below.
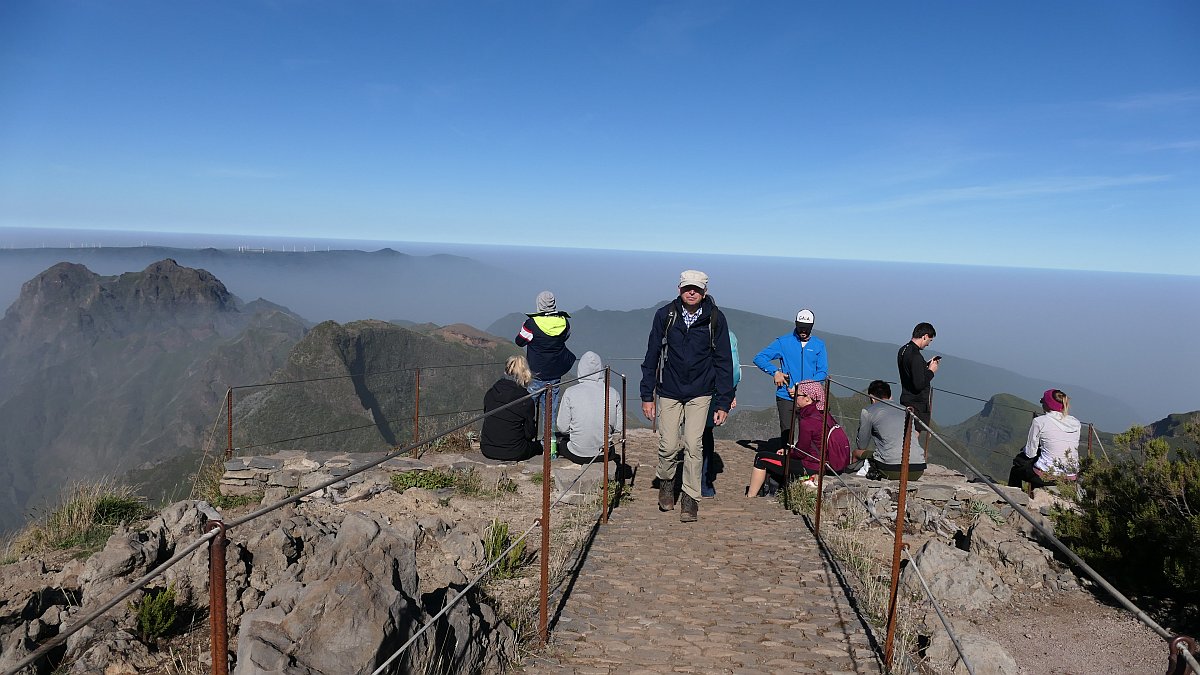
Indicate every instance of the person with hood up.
{"type": "Point", "coordinates": [812, 420]}
{"type": "Point", "coordinates": [581, 415]}
{"type": "Point", "coordinates": [508, 434]}
{"type": "Point", "coordinates": [801, 356]}
{"type": "Point", "coordinates": [1052, 448]}
{"type": "Point", "coordinates": [544, 336]}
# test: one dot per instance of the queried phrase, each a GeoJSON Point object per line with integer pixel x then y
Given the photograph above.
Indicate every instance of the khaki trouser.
{"type": "Point", "coordinates": [682, 421]}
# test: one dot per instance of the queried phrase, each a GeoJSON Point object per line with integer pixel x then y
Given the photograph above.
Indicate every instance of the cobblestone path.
{"type": "Point", "coordinates": [744, 590]}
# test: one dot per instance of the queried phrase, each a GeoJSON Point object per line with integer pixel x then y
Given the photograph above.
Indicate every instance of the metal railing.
{"type": "Point", "coordinates": [1178, 645]}
{"type": "Point", "coordinates": [216, 528]}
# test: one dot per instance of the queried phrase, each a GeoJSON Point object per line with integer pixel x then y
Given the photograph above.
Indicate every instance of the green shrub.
{"type": "Point", "coordinates": [233, 501]}
{"type": "Point", "coordinates": [494, 546]}
{"type": "Point", "coordinates": [467, 482]}
{"type": "Point", "coordinates": [432, 479]}
{"type": "Point", "coordinates": [800, 495]}
{"type": "Point", "coordinates": [504, 484]}
{"type": "Point", "coordinates": [155, 614]}
{"type": "Point", "coordinates": [1140, 517]}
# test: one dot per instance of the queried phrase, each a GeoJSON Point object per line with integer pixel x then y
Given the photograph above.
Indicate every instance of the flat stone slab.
{"type": "Point", "coordinates": [745, 589]}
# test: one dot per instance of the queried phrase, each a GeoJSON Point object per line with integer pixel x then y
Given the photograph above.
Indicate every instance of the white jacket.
{"type": "Point", "coordinates": [581, 411]}
{"type": "Point", "coordinates": [1056, 437]}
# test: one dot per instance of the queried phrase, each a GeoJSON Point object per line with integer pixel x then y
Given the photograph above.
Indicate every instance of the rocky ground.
{"type": "Point", "coordinates": [747, 589]}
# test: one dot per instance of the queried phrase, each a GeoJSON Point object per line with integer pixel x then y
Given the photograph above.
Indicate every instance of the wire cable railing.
{"type": "Point", "coordinates": [365, 373]}
{"type": "Point", "coordinates": [215, 536]}
{"type": "Point", "coordinates": [1176, 643]}
{"type": "Point", "coordinates": [824, 464]}
{"type": "Point", "coordinates": [486, 570]}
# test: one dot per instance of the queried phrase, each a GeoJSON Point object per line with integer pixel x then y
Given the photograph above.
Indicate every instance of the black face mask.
{"type": "Point", "coordinates": [804, 330]}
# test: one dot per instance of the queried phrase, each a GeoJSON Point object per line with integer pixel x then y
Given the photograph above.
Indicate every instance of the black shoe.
{"type": "Point", "coordinates": [666, 495]}
{"type": "Point", "coordinates": [688, 509]}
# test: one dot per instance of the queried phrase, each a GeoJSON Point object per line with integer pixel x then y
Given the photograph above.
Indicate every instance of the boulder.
{"type": "Point", "coordinates": [956, 578]}
{"type": "Point", "coordinates": [1019, 559]}
{"type": "Point", "coordinates": [985, 656]}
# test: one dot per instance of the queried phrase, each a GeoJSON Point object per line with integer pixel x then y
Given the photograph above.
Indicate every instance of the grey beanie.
{"type": "Point", "coordinates": [545, 302]}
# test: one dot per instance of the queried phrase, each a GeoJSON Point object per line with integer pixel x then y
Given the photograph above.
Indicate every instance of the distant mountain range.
{"type": "Point", "coordinates": [125, 374]}
{"type": "Point", "coordinates": [362, 377]}
{"type": "Point", "coordinates": [987, 315]}
{"type": "Point", "coordinates": [99, 375]}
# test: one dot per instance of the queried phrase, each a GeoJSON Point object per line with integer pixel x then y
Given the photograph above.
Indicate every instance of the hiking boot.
{"type": "Point", "coordinates": [666, 495]}
{"type": "Point", "coordinates": [688, 508]}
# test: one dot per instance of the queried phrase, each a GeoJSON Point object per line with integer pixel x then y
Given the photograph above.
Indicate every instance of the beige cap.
{"type": "Point", "coordinates": [693, 278]}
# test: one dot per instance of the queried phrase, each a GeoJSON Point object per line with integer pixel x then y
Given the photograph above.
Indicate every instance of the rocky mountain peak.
{"type": "Point", "coordinates": [167, 284]}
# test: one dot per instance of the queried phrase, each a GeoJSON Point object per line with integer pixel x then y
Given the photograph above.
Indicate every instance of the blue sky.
{"type": "Point", "coordinates": [1028, 134]}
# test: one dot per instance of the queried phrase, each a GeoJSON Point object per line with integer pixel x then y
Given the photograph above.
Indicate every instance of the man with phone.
{"type": "Point", "coordinates": [916, 374]}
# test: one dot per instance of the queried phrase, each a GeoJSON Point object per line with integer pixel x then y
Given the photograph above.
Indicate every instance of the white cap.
{"type": "Point", "coordinates": [804, 316]}
{"type": "Point", "coordinates": [694, 278]}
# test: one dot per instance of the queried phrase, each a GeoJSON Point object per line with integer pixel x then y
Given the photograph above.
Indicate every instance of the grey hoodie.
{"type": "Point", "coordinates": [581, 413]}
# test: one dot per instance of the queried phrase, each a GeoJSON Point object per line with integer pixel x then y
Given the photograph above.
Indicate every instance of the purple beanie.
{"type": "Point", "coordinates": [1050, 403]}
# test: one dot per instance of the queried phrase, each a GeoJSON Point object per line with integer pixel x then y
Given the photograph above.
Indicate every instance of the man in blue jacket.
{"type": "Point", "coordinates": [801, 356]}
{"type": "Point", "coordinates": [688, 366]}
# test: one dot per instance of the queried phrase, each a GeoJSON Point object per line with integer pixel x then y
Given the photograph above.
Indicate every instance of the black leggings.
{"type": "Point", "coordinates": [773, 464]}
{"type": "Point", "coordinates": [1018, 475]}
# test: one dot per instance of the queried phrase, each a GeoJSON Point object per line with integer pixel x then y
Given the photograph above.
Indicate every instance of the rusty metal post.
{"type": "Point", "coordinates": [604, 448]}
{"type": "Point", "coordinates": [416, 408]}
{"type": "Point", "coordinates": [824, 450]}
{"type": "Point", "coordinates": [788, 443]}
{"type": "Point", "coordinates": [1090, 432]}
{"type": "Point", "coordinates": [229, 423]}
{"type": "Point", "coordinates": [901, 504]}
{"type": "Point", "coordinates": [1175, 647]}
{"type": "Point", "coordinates": [217, 608]}
{"type": "Point", "coordinates": [544, 594]}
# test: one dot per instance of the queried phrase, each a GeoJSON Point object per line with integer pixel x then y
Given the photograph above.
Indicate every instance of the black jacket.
{"type": "Point", "coordinates": [545, 338]}
{"type": "Point", "coordinates": [915, 376]}
{"type": "Point", "coordinates": [695, 363]}
{"type": "Point", "coordinates": [508, 434]}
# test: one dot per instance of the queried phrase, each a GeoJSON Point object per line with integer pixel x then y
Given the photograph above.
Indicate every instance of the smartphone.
{"type": "Point", "coordinates": [936, 358]}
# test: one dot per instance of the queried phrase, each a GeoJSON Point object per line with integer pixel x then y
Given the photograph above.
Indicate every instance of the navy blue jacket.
{"type": "Point", "coordinates": [694, 364]}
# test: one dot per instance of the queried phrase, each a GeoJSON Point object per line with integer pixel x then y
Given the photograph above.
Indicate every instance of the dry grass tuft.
{"type": "Point", "coordinates": [85, 516]}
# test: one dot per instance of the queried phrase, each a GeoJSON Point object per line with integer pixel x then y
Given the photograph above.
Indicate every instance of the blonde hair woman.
{"type": "Point", "coordinates": [508, 434]}
{"type": "Point", "coordinates": [1052, 446]}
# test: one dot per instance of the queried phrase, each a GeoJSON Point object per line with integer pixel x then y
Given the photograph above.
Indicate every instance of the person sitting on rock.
{"type": "Point", "coordinates": [884, 424]}
{"type": "Point", "coordinates": [508, 434]}
{"type": "Point", "coordinates": [1052, 448]}
{"type": "Point", "coordinates": [813, 422]}
{"type": "Point", "coordinates": [581, 413]}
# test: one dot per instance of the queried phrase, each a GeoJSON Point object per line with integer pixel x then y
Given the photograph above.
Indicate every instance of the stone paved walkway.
{"type": "Point", "coordinates": [744, 590]}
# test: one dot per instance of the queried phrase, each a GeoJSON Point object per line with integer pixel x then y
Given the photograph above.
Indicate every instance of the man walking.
{"type": "Point", "coordinates": [689, 365]}
{"type": "Point", "coordinates": [801, 356]}
{"type": "Point", "coordinates": [916, 374]}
